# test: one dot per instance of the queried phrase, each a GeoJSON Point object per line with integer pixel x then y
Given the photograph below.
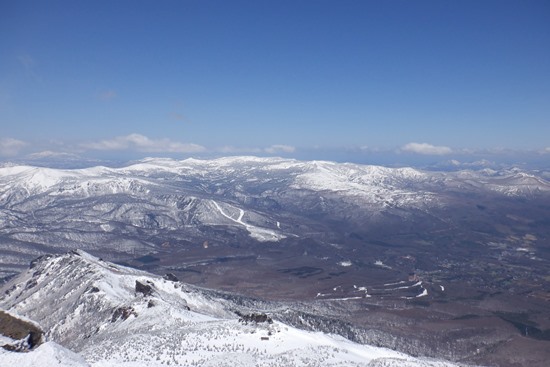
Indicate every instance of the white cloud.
{"type": "Point", "coordinates": [478, 163]}
{"type": "Point", "coordinates": [273, 149]}
{"type": "Point", "coordinates": [546, 150]}
{"type": "Point", "coordinates": [10, 147]}
{"type": "Point", "coordinates": [142, 143]}
{"type": "Point", "coordinates": [278, 148]}
{"type": "Point", "coordinates": [369, 149]}
{"type": "Point", "coordinates": [424, 148]}
{"type": "Point", "coordinates": [52, 154]}
{"type": "Point", "coordinates": [228, 149]}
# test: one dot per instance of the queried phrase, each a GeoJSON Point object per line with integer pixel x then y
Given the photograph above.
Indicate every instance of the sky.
{"type": "Point", "coordinates": [342, 80]}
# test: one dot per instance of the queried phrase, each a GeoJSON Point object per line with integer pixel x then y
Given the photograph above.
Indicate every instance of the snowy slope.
{"type": "Point", "coordinates": [49, 354]}
{"type": "Point", "coordinates": [121, 211]}
{"type": "Point", "coordinates": [116, 316]}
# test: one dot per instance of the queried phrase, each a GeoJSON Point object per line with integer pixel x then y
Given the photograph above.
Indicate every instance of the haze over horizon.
{"type": "Point", "coordinates": [363, 81]}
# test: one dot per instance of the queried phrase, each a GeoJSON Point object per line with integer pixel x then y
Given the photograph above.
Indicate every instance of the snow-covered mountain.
{"type": "Point", "coordinates": [135, 209]}
{"type": "Point", "coordinates": [397, 257]}
{"type": "Point", "coordinates": [110, 315]}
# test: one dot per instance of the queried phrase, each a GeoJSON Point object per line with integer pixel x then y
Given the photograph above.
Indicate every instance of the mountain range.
{"type": "Point", "coordinates": [449, 265]}
{"type": "Point", "coordinates": [144, 205]}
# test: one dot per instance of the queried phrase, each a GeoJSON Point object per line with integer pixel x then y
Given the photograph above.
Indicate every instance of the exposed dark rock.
{"type": "Point", "coordinates": [27, 334]}
{"type": "Point", "coordinates": [8, 291]}
{"type": "Point", "coordinates": [24, 345]}
{"type": "Point", "coordinates": [123, 313]}
{"type": "Point", "coordinates": [33, 339]}
{"type": "Point", "coordinates": [74, 252]}
{"type": "Point", "coordinates": [171, 277]}
{"type": "Point", "coordinates": [151, 303]}
{"type": "Point", "coordinates": [38, 260]}
{"type": "Point", "coordinates": [254, 317]}
{"type": "Point", "coordinates": [11, 348]}
{"type": "Point", "coordinates": [144, 289]}
{"type": "Point", "coordinates": [92, 289]}
{"type": "Point", "coordinates": [30, 284]}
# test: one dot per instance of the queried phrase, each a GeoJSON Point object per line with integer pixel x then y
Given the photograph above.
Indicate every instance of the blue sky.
{"type": "Point", "coordinates": [327, 79]}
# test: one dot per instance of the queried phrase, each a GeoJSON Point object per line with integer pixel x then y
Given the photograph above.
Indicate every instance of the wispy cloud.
{"type": "Point", "coordinates": [273, 149]}
{"type": "Point", "coordinates": [229, 149]}
{"type": "Point", "coordinates": [142, 143]}
{"type": "Point", "coordinates": [10, 147]}
{"type": "Point", "coordinates": [278, 148]}
{"type": "Point", "coordinates": [107, 95]}
{"type": "Point", "coordinates": [52, 154]}
{"type": "Point", "coordinates": [427, 149]}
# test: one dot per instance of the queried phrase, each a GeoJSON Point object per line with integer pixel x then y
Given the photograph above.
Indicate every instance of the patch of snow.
{"type": "Point", "coordinates": [6, 340]}
{"type": "Point", "coordinates": [345, 263]}
{"type": "Point", "coordinates": [381, 264]}
{"type": "Point", "coordinates": [346, 298]}
{"type": "Point", "coordinates": [423, 294]}
{"type": "Point", "coordinates": [258, 233]}
{"type": "Point", "coordinates": [49, 354]}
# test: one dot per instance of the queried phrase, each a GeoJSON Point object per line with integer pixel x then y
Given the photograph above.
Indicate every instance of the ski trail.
{"type": "Point", "coordinates": [261, 234]}
{"type": "Point", "coordinates": [228, 216]}
{"type": "Point", "coordinates": [239, 220]}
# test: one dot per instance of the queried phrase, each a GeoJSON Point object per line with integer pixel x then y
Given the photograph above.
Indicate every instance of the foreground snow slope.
{"type": "Point", "coordinates": [49, 354]}
{"type": "Point", "coordinates": [116, 316]}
